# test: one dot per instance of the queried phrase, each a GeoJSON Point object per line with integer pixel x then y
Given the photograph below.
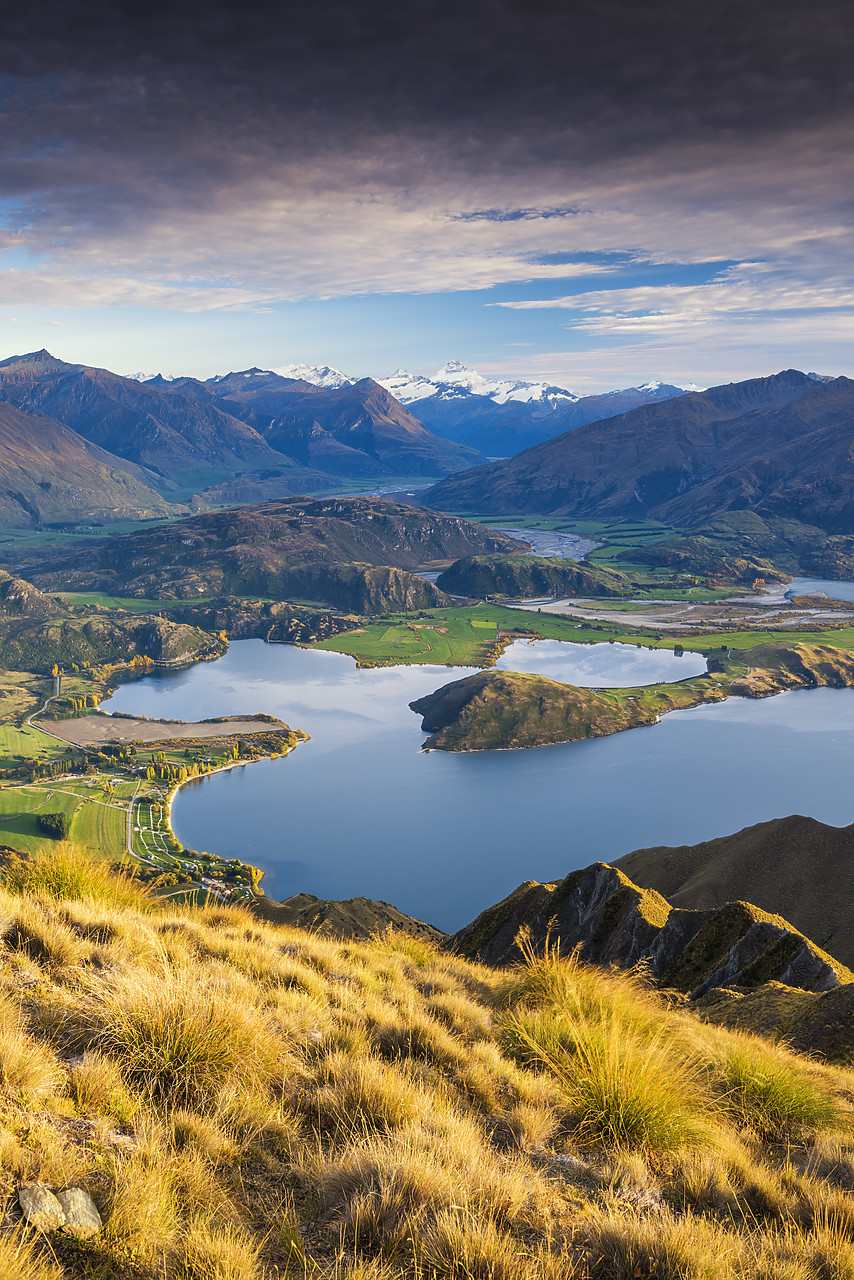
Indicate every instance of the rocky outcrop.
{"type": "Point", "coordinates": [20, 599]}
{"type": "Point", "coordinates": [72, 1211]}
{"type": "Point", "coordinates": [271, 620]}
{"type": "Point", "coordinates": [526, 577]}
{"type": "Point", "coordinates": [614, 922]}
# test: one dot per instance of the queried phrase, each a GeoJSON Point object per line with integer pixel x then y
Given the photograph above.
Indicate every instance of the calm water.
{"type": "Point", "coordinates": [823, 586]}
{"type": "Point", "coordinates": [360, 810]}
{"type": "Point", "coordinates": [594, 665]}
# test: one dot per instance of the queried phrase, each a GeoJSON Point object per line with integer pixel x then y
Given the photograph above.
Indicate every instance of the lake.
{"type": "Point", "coordinates": [821, 586]}
{"type": "Point", "coordinates": [361, 810]}
{"type": "Point", "coordinates": [600, 665]}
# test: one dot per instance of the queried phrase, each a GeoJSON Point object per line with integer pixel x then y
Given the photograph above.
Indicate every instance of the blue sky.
{"type": "Point", "coordinates": [198, 190]}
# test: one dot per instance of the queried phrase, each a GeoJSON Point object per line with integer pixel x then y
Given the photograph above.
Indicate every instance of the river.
{"type": "Point", "coordinates": [361, 810]}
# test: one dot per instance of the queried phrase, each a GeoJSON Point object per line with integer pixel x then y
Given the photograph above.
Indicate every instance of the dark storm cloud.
{"type": "Point", "coordinates": [212, 143]}
{"type": "Point", "coordinates": [615, 73]}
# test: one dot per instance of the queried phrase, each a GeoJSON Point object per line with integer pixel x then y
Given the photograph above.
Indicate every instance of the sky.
{"type": "Point", "coordinates": [592, 194]}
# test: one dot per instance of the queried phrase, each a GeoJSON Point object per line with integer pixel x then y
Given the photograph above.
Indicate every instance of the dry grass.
{"type": "Point", "coordinates": [248, 1102]}
{"type": "Point", "coordinates": [66, 873]}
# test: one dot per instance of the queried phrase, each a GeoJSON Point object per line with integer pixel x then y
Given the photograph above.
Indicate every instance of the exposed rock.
{"type": "Point", "coordinates": [524, 577]}
{"type": "Point", "coordinates": [82, 1219]}
{"type": "Point", "coordinates": [41, 1209]}
{"type": "Point", "coordinates": [614, 922]}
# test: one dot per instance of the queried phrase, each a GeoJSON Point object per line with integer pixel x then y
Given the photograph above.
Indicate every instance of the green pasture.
{"type": "Point", "coordinates": [469, 630]}
{"type": "Point", "coordinates": [95, 819]}
{"type": "Point", "coordinates": [26, 743]}
{"type": "Point", "coordinates": [89, 599]}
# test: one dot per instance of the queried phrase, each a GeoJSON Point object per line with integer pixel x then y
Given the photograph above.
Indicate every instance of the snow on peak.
{"type": "Point", "coordinates": [320, 375]}
{"type": "Point", "coordinates": [149, 377]}
{"type": "Point", "coordinates": [455, 379]}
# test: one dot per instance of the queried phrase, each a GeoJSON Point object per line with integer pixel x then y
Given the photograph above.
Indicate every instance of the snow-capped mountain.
{"type": "Point", "coordinates": [456, 378]}
{"type": "Point", "coordinates": [319, 375]}
{"type": "Point", "coordinates": [501, 416]}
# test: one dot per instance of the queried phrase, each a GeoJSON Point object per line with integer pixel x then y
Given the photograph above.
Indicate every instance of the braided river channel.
{"type": "Point", "coordinates": [361, 810]}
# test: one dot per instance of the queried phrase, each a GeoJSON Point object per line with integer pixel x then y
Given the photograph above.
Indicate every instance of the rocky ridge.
{"type": "Point", "coordinates": [614, 922]}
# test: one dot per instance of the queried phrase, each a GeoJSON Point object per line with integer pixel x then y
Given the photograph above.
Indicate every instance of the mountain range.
{"type": "Point", "coordinates": [81, 442]}
{"type": "Point", "coordinates": [498, 416]}
{"type": "Point", "coordinates": [782, 446]}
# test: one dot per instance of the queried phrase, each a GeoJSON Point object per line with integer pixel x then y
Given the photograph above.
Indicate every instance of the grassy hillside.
{"type": "Point", "coordinates": [244, 1100]}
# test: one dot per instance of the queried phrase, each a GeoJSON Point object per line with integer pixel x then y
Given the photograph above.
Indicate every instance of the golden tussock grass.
{"type": "Point", "coordinates": [246, 1101]}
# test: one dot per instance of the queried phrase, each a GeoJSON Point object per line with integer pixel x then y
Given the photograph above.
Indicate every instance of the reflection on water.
{"type": "Point", "coordinates": [821, 586]}
{"type": "Point", "coordinates": [606, 665]}
{"type": "Point", "coordinates": [360, 810]}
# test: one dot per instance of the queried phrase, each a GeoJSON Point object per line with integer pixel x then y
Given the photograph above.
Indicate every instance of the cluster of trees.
{"type": "Point", "coordinates": [68, 707]}
{"type": "Point", "coordinates": [54, 825]}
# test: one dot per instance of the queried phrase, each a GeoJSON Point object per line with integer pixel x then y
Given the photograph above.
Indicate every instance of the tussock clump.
{"type": "Point", "coordinates": [217, 1253]}
{"type": "Point", "coordinates": [623, 1244]}
{"type": "Point", "coordinates": [769, 1090]}
{"type": "Point", "coordinates": [361, 1095]}
{"type": "Point", "coordinates": [66, 873]}
{"type": "Point", "coordinates": [38, 932]}
{"type": "Point", "coordinates": [179, 1039]}
{"type": "Point", "coordinates": [19, 1261]}
{"type": "Point", "coordinates": [26, 1067]}
{"type": "Point", "coordinates": [97, 1088]}
{"type": "Point", "coordinates": [619, 1087]}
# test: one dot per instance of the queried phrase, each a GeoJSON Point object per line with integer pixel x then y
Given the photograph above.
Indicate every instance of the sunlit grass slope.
{"type": "Point", "coordinates": [245, 1100]}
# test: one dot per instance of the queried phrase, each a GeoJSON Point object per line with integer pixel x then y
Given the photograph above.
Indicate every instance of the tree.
{"type": "Point", "coordinates": [54, 825]}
